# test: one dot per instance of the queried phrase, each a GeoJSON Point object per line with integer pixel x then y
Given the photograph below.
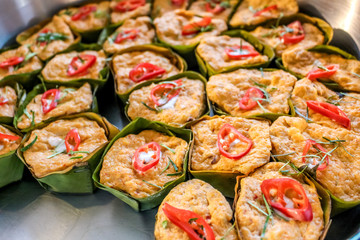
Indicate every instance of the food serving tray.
{"type": "Point", "coordinates": [27, 211]}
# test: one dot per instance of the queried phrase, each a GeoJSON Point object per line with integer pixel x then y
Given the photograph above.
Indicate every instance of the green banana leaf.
{"type": "Point", "coordinates": [174, 58]}
{"type": "Point", "coordinates": [188, 74]}
{"type": "Point", "coordinates": [263, 49]}
{"type": "Point", "coordinates": [19, 92]}
{"type": "Point", "coordinates": [270, 116]}
{"type": "Point", "coordinates": [22, 37]}
{"type": "Point", "coordinates": [11, 168]}
{"type": "Point", "coordinates": [39, 89]}
{"type": "Point", "coordinates": [321, 49]}
{"type": "Point", "coordinates": [77, 179]}
{"type": "Point", "coordinates": [135, 127]}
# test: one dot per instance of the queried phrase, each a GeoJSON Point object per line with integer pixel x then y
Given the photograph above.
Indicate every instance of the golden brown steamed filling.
{"type": "Point", "coordinates": [302, 62]}
{"type": "Point", "coordinates": [199, 7]}
{"type": "Point", "coordinates": [71, 101]}
{"type": "Point", "coordinates": [160, 7]}
{"type": "Point", "coordinates": [95, 20]}
{"type": "Point", "coordinates": [340, 177]}
{"type": "Point", "coordinates": [118, 172]}
{"type": "Point", "coordinates": [9, 97]}
{"type": "Point", "coordinates": [40, 156]}
{"type": "Point", "coordinates": [169, 28]}
{"type": "Point", "coordinates": [124, 63]}
{"type": "Point", "coordinates": [57, 25]}
{"type": "Point", "coordinates": [212, 51]}
{"type": "Point", "coordinates": [206, 154]}
{"type": "Point", "coordinates": [7, 145]}
{"type": "Point", "coordinates": [187, 106]}
{"type": "Point", "coordinates": [31, 65]}
{"type": "Point", "coordinates": [250, 221]}
{"type": "Point", "coordinates": [244, 15]}
{"type": "Point", "coordinates": [118, 17]}
{"type": "Point", "coordinates": [145, 34]}
{"type": "Point", "coordinates": [56, 69]}
{"type": "Point", "coordinates": [226, 90]}
{"type": "Point", "coordinates": [201, 198]}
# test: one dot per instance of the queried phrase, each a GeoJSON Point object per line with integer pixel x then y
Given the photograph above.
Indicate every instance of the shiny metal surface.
{"type": "Point", "coordinates": [28, 212]}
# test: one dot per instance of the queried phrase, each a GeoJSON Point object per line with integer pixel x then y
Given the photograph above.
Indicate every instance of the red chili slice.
{"type": "Point", "coordinates": [83, 12]}
{"type": "Point", "coordinates": [247, 102]}
{"type": "Point", "coordinates": [145, 71]}
{"type": "Point", "coordinates": [190, 222]}
{"type": "Point", "coordinates": [127, 34]}
{"type": "Point", "coordinates": [311, 143]}
{"type": "Point", "coordinates": [44, 31]}
{"type": "Point", "coordinates": [142, 165]}
{"type": "Point", "coordinates": [267, 9]}
{"type": "Point", "coordinates": [237, 53]}
{"type": "Point", "coordinates": [214, 7]}
{"type": "Point", "coordinates": [178, 3]}
{"type": "Point", "coordinates": [49, 100]}
{"type": "Point", "coordinates": [129, 5]}
{"type": "Point", "coordinates": [9, 137]}
{"type": "Point", "coordinates": [226, 136]}
{"type": "Point", "coordinates": [296, 36]}
{"type": "Point", "coordinates": [321, 73]}
{"type": "Point", "coordinates": [278, 192]}
{"type": "Point", "coordinates": [195, 27]}
{"type": "Point", "coordinates": [80, 64]}
{"type": "Point", "coordinates": [165, 91]}
{"type": "Point", "coordinates": [11, 62]}
{"type": "Point", "coordinates": [3, 101]}
{"type": "Point", "coordinates": [72, 140]}
{"type": "Point", "coordinates": [331, 111]}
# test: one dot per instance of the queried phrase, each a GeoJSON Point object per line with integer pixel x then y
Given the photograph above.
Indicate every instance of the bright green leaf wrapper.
{"type": "Point", "coordinates": [263, 49]}
{"type": "Point", "coordinates": [39, 89]}
{"type": "Point", "coordinates": [11, 168]}
{"type": "Point", "coordinates": [77, 179]}
{"type": "Point", "coordinates": [174, 58]}
{"type": "Point", "coordinates": [189, 74]}
{"type": "Point", "coordinates": [135, 127]}
{"type": "Point", "coordinates": [20, 92]}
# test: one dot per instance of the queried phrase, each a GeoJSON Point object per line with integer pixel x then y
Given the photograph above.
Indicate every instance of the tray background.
{"type": "Point", "coordinates": [28, 212]}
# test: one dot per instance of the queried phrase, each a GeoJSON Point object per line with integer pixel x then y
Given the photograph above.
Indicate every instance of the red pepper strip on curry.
{"type": "Point", "coordinates": [163, 93]}
{"type": "Point", "coordinates": [146, 157]}
{"type": "Point", "coordinates": [80, 64]}
{"type": "Point", "coordinates": [251, 98]}
{"type": "Point", "coordinates": [49, 100]}
{"type": "Point", "coordinates": [145, 71]}
{"type": "Point", "coordinates": [311, 143]}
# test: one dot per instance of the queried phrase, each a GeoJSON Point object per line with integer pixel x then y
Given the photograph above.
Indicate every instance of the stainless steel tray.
{"type": "Point", "coordinates": [28, 212]}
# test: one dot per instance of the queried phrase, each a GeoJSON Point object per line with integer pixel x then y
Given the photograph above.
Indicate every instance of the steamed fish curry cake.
{"type": "Point", "coordinates": [160, 6]}
{"type": "Point", "coordinates": [224, 52]}
{"type": "Point", "coordinates": [8, 100]}
{"type": "Point", "coordinates": [62, 145]}
{"type": "Point", "coordinates": [133, 32]}
{"type": "Point", "coordinates": [182, 27]}
{"type": "Point", "coordinates": [230, 144]}
{"type": "Point", "coordinates": [324, 67]}
{"type": "Point", "coordinates": [87, 18]}
{"type": "Point", "coordinates": [18, 61]}
{"type": "Point", "coordinates": [135, 67]}
{"type": "Point", "coordinates": [74, 65]}
{"type": "Point", "coordinates": [254, 12]}
{"type": "Point", "coordinates": [194, 210]}
{"type": "Point", "coordinates": [247, 93]}
{"type": "Point", "coordinates": [9, 141]}
{"type": "Point", "coordinates": [220, 9]}
{"type": "Point", "coordinates": [173, 102]}
{"type": "Point", "coordinates": [331, 153]}
{"type": "Point", "coordinates": [316, 103]}
{"type": "Point", "coordinates": [275, 203]}
{"type": "Point", "coordinates": [56, 102]}
{"type": "Point", "coordinates": [125, 9]}
{"type": "Point", "coordinates": [142, 164]}
{"type": "Point", "coordinates": [54, 37]}
{"type": "Point", "coordinates": [293, 35]}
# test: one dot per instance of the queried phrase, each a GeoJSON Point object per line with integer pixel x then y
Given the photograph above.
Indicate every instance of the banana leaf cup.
{"type": "Point", "coordinates": [270, 116]}
{"type": "Point", "coordinates": [135, 127]}
{"type": "Point", "coordinates": [11, 168]}
{"type": "Point", "coordinates": [323, 197]}
{"type": "Point", "coordinates": [188, 74]}
{"type": "Point", "coordinates": [174, 58]}
{"type": "Point", "coordinates": [20, 92]}
{"type": "Point", "coordinates": [321, 49]}
{"type": "Point", "coordinates": [263, 49]}
{"type": "Point", "coordinates": [40, 89]}
{"type": "Point", "coordinates": [76, 179]}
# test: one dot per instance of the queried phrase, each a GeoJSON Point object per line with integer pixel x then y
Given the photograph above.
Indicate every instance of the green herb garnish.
{"type": "Point", "coordinates": [173, 164]}
{"type": "Point", "coordinates": [227, 232]}
{"type": "Point", "coordinates": [30, 144]}
{"type": "Point", "coordinates": [171, 150]}
{"type": "Point", "coordinates": [76, 157]}
{"type": "Point", "coordinates": [167, 166]}
{"type": "Point", "coordinates": [191, 220]}
{"type": "Point", "coordinates": [49, 37]}
{"type": "Point", "coordinates": [152, 184]}
{"type": "Point", "coordinates": [174, 174]}
{"type": "Point", "coordinates": [150, 108]}
{"type": "Point", "coordinates": [164, 224]}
